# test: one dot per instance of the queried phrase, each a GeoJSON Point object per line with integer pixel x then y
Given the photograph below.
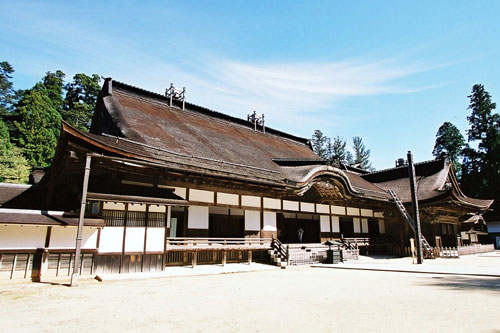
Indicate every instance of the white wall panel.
{"type": "Point", "coordinates": [198, 217]}
{"type": "Point", "coordinates": [65, 237]}
{"type": "Point", "coordinates": [378, 214]}
{"type": "Point", "coordinates": [352, 211]}
{"type": "Point", "coordinates": [271, 203]}
{"type": "Point", "coordinates": [111, 239]}
{"type": "Point", "coordinates": [250, 201]}
{"type": "Point", "coordinates": [335, 224]}
{"type": "Point", "coordinates": [269, 221]}
{"type": "Point", "coordinates": [155, 239]}
{"type": "Point", "coordinates": [136, 207]}
{"type": "Point", "coordinates": [357, 225]}
{"type": "Point", "coordinates": [113, 205]}
{"type": "Point", "coordinates": [19, 237]}
{"type": "Point", "coordinates": [364, 226]}
{"type": "Point", "coordinates": [157, 209]}
{"type": "Point", "coordinates": [307, 207]}
{"type": "Point", "coordinates": [227, 199]}
{"type": "Point", "coordinates": [323, 209]}
{"type": "Point", "coordinates": [252, 220]}
{"type": "Point", "coordinates": [338, 210]}
{"type": "Point", "coordinates": [201, 196]}
{"type": "Point", "coordinates": [366, 212]}
{"type": "Point", "coordinates": [324, 223]}
{"type": "Point", "coordinates": [291, 205]}
{"type": "Point", "coordinates": [134, 239]}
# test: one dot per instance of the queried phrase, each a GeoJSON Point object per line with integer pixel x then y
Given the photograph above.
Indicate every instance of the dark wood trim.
{"type": "Point", "coordinates": [120, 269]}
{"type": "Point", "coordinates": [47, 237]}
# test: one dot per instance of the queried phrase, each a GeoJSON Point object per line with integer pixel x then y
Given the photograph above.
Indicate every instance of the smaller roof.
{"type": "Point", "coordinates": [9, 191]}
{"type": "Point", "coordinates": [45, 218]}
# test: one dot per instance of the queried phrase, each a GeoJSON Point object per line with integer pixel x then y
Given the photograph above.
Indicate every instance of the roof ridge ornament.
{"type": "Point", "coordinates": [256, 120]}
{"type": "Point", "coordinates": [177, 94]}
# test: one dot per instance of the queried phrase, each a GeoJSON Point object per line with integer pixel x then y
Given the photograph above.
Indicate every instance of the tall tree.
{"type": "Point", "coordinates": [449, 144]}
{"type": "Point", "coordinates": [481, 166]}
{"type": "Point", "coordinates": [37, 127]}
{"type": "Point", "coordinates": [13, 165]}
{"type": "Point", "coordinates": [54, 84]}
{"type": "Point", "coordinates": [7, 92]}
{"type": "Point", "coordinates": [361, 154]}
{"type": "Point", "coordinates": [319, 141]}
{"type": "Point", "coordinates": [80, 101]}
{"type": "Point", "coordinates": [338, 152]}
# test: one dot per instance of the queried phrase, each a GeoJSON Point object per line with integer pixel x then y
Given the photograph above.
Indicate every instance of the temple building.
{"type": "Point", "coordinates": [172, 183]}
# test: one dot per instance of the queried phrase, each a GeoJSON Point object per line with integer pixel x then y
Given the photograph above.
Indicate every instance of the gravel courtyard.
{"type": "Point", "coordinates": [296, 299]}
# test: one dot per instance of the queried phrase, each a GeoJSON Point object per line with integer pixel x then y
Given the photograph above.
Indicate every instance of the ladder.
{"type": "Point", "coordinates": [410, 221]}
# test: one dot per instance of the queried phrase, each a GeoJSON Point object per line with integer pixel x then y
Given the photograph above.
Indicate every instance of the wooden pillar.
{"type": "Point", "coordinates": [249, 257]}
{"type": "Point", "coordinates": [40, 265]}
{"type": "Point", "coordinates": [194, 259]}
{"type": "Point", "coordinates": [224, 257]}
{"type": "Point", "coordinates": [83, 204]}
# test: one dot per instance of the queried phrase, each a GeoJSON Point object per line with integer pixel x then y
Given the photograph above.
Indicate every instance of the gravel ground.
{"type": "Point", "coordinates": [295, 299]}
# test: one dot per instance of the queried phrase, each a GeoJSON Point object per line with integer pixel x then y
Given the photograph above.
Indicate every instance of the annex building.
{"type": "Point", "coordinates": [173, 183]}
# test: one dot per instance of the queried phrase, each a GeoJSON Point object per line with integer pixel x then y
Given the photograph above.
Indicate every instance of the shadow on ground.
{"type": "Point", "coordinates": [463, 283]}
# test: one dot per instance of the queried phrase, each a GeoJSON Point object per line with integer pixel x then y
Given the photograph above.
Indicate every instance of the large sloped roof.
{"type": "Point", "coordinates": [434, 179]}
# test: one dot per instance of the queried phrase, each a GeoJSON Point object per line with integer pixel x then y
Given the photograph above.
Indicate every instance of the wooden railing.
{"type": "Point", "coordinates": [195, 243]}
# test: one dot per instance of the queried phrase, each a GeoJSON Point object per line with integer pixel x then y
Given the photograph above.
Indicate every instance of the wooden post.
{"type": "Point", "coordinates": [83, 204]}
{"type": "Point", "coordinates": [194, 257]}
{"type": "Point", "coordinates": [224, 258]}
{"type": "Point", "coordinates": [249, 257]}
{"type": "Point", "coordinates": [14, 262]}
{"type": "Point", "coordinates": [416, 217]}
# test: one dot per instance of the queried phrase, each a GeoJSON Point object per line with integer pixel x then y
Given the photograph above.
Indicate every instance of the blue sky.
{"type": "Point", "coordinates": [389, 71]}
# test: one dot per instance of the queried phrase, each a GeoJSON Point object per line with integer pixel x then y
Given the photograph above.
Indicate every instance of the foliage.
{"type": "Point", "coordinates": [80, 101]}
{"type": "Point", "coordinates": [13, 166]}
{"type": "Point", "coordinates": [54, 84]}
{"type": "Point", "coordinates": [335, 151]}
{"type": "Point", "coordinates": [361, 154]}
{"type": "Point", "coordinates": [6, 91]}
{"type": "Point", "coordinates": [449, 144]}
{"type": "Point", "coordinates": [37, 127]}
{"type": "Point", "coordinates": [481, 166]}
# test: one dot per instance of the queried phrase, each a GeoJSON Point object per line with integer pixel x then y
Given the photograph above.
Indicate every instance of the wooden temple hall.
{"type": "Point", "coordinates": [159, 181]}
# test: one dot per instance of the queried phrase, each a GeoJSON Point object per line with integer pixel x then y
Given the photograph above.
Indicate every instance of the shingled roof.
{"type": "Point", "coordinates": [435, 179]}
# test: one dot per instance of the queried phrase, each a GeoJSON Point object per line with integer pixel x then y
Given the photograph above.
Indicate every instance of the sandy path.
{"type": "Point", "coordinates": [295, 299]}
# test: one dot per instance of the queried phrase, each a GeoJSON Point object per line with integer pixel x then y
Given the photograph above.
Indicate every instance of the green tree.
{"type": "Point", "coordinates": [319, 142]}
{"type": "Point", "coordinates": [449, 144]}
{"type": "Point", "coordinates": [81, 99]}
{"type": "Point", "coordinates": [37, 127]}
{"type": "Point", "coordinates": [481, 166]}
{"type": "Point", "coordinates": [338, 152]}
{"type": "Point", "coordinates": [54, 84]}
{"type": "Point", "coordinates": [7, 93]}
{"type": "Point", "coordinates": [361, 154]}
{"type": "Point", "coordinates": [13, 165]}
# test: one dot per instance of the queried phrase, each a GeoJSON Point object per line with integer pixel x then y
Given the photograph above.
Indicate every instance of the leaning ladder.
{"type": "Point", "coordinates": [410, 221]}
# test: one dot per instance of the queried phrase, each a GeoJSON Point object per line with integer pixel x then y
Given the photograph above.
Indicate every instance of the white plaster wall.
{"type": "Point", "coordinates": [155, 239]}
{"type": "Point", "coordinates": [335, 224]}
{"type": "Point", "coordinates": [338, 210]}
{"type": "Point", "coordinates": [307, 207]}
{"type": "Point", "coordinates": [134, 239]}
{"type": "Point", "coordinates": [198, 217]}
{"type": "Point", "coordinates": [366, 212]}
{"type": "Point", "coordinates": [111, 239]}
{"type": "Point", "coordinates": [113, 205]}
{"type": "Point", "coordinates": [290, 205]}
{"type": "Point", "coordinates": [250, 201]}
{"type": "Point", "coordinates": [272, 203]}
{"type": "Point", "coordinates": [65, 237]}
{"type": "Point", "coordinates": [201, 196]}
{"type": "Point", "coordinates": [269, 221]}
{"type": "Point", "coordinates": [364, 226]}
{"type": "Point", "coordinates": [381, 226]}
{"type": "Point", "coordinates": [323, 209]}
{"type": "Point", "coordinates": [136, 207]}
{"type": "Point", "coordinates": [22, 237]}
{"type": "Point", "coordinates": [352, 211]}
{"type": "Point", "coordinates": [227, 199]}
{"type": "Point", "coordinates": [157, 209]}
{"type": "Point", "coordinates": [252, 220]}
{"type": "Point", "coordinates": [357, 225]}
{"type": "Point", "coordinates": [324, 221]}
